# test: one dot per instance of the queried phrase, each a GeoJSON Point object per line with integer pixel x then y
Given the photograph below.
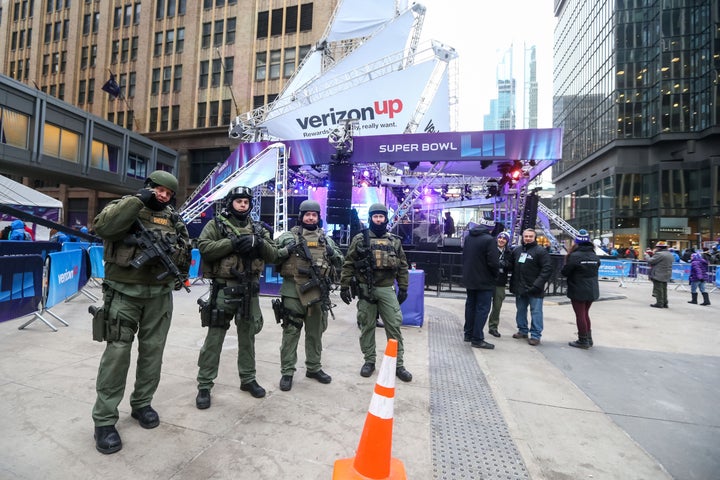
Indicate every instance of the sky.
{"type": "Point", "coordinates": [478, 30]}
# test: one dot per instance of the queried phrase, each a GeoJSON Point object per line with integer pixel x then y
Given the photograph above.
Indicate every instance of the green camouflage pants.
{"type": "Point", "coordinates": [389, 309]}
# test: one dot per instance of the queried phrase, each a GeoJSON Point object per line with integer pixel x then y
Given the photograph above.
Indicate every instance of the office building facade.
{"type": "Point", "coordinates": [182, 69]}
{"type": "Point", "coordinates": [637, 93]}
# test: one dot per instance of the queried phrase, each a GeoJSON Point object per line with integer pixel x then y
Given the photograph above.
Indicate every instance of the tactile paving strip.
{"type": "Point", "coordinates": [470, 439]}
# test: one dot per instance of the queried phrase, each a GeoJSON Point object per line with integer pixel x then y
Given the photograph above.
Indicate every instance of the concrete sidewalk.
{"type": "Point", "coordinates": [639, 405]}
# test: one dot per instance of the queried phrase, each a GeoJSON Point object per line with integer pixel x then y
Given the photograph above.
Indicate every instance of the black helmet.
{"type": "Point", "coordinates": [163, 179]}
{"type": "Point", "coordinates": [238, 192]}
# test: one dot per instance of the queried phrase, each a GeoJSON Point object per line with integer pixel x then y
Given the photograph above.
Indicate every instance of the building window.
{"type": "Point", "coordinates": [169, 42]}
{"type": "Point", "coordinates": [14, 128]}
{"type": "Point", "coordinates": [214, 112]}
{"type": "Point", "coordinates": [274, 64]}
{"type": "Point", "coordinates": [175, 118]}
{"type": "Point", "coordinates": [204, 72]}
{"type": "Point", "coordinates": [289, 63]}
{"type": "Point", "coordinates": [291, 16]}
{"type": "Point", "coordinates": [55, 62]}
{"type": "Point", "coordinates": [171, 8]}
{"type": "Point", "coordinates": [91, 91]}
{"type": "Point", "coordinates": [104, 156]}
{"type": "Point", "coordinates": [96, 22]}
{"type": "Point", "coordinates": [226, 112]}
{"type": "Point", "coordinates": [180, 42]}
{"type": "Point", "coordinates": [86, 24]}
{"type": "Point", "coordinates": [228, 67]}
{"type": "Point", "coordinates": [206, 34]}
{"type": "Point", "coordinates": [127, 17]}
{"type": "Point", "coordinates": [158, 44]}
{"type": "Point", "coordinates": [136, 14]}
{"type": "Point", "coordinates": [46, 64]}
{"type": "Point", "coordinates": [93, 55]}
{"type": "Point", "coordinates": [155, 82]}
{"type": "Point", "coordinates": [167, 79]}
{"type": "Point", "coordinates": [230, 30]}
{"type": "Point", "coordinates": [117, 17]}
{"type": "Point", "coordinates": [121, 119]}
{"type": "Point", "coordinates": [258, 101]}
{"type": "Point", "coordinates": [262, 24]}
{"type": "Point", "coordinates": [57, 31]}
{"type": "Point", "coordinates": [153, 119]}
{"type": "Point", "coordinates": [182, 7]}
{"type": "Point", "coordinates": [125, 50]}
{"type": "Point", "coordinates": [61, 143]}
{"type": "Point", "coordinates": [260, 66]}
{"type": "Point", "coordinates": [63, 61]}
{"type": "Point", "coordinates": [160, 10]}
{"type": "Point", "coordinates": [306, 17]}
{"type": "Point", "coordinates": [48, 33]}
{"type": "Point", "coordinates": [84, 52]}
{"type": "Point", "coordinates": [177, 81]}
{"type": "Point", "coordinates": [131, 84]}
{"type": "Point", "coordinates": [218, 38]}
{"type": "Point", "coordinates": [133, 48]}
{"type": "Point", "coordinates": [164, 118]}
{"type": "Point", "coordinates": [82, 88]}
{"type": "Point", "coordinates": [276, 20]}
{"type": "Point", "coordinates": [114, 51]}
{"type": "Point", "coordinates": [201, 115]}
{"type": "Point", "coordinates": [216, 73]}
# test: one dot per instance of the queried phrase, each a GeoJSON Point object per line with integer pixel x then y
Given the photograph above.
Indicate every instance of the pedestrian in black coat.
{"type": "Point", "coordinates": [480, 271]}
{"type": "Point", "coordinates": [581, 269]}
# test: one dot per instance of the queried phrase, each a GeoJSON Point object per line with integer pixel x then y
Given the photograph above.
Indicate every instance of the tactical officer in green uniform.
{"type": "Point", "coordinates": [306, 260]}
{"type": "Point", "coordinates": [137, 300]}
{"type": "Point", "coordinates": [376, 260]}
{"type": "Point", "coordinates": [233, 249]}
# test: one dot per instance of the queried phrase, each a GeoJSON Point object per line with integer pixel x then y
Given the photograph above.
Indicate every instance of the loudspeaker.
{"type": "Point", "coordinates": [339, 198]}
{"type": "Point", "coordinates": [529, 218]}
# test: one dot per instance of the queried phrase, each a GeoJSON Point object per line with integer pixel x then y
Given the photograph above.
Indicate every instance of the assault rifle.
{"type": "Point", "coordinates": [241, 293]}
{"type": "Point", "coordinates": [316, 279]}
{"type": "Point", "coordinates": [155, 245]}
{"type": "Point", "coordinates": [365, 265]}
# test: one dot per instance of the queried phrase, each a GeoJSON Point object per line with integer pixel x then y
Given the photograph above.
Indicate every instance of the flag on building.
{"type": "Point", "coordinates": [112, 87]}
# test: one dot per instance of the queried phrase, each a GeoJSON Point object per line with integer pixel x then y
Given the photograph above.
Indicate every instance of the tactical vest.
{"type": "Point", "coordinates": [223, 267]}
{"type": "Point", "coordinates": [316, 242]}
{"type": "Point", "coordinates": [383, 253]}
{"type": "Point", "coordinates": [122, 252]}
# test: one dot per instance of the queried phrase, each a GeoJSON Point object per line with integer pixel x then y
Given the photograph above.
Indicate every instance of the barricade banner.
{"type": "Point", "coordinates": [97, 266]}
{"type": "Point", "coordinates": [64, 276]}
{"type": "Point", "coordinates": [413, 308]}
{"type": "Point", "coordinates": [194, 271]}
{"type": "Point", "coordinates": [20, 285]}
{"type": "Point", "coordinates": [75, 246]}
{"type": "Point", "coordinates": [9, 247]}
{"type": "Point", "coordinates": [614, 268]}
{"type": "Point", "coordinates": [681, 271]}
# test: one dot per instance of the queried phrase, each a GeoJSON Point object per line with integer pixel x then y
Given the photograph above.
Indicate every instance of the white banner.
{"type": "Point", "coordinates": [382, 107]}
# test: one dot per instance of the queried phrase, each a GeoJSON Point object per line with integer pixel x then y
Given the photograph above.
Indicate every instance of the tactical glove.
{"type": "Point", "coordinates": [345, 295]}
{"type": "Point", "coordinates": [144, 194]}
{"type": "Point", "coordinates": [401, 295]}
{"type": "Point", "coordinates": [243, 244]}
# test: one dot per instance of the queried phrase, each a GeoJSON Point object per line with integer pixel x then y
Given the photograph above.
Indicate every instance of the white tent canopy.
{"type": "Point", "coordinates": [14, 193]}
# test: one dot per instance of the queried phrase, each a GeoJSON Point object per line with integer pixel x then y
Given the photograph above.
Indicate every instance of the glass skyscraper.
{"type": "Point", "coordinates": [636, 87]}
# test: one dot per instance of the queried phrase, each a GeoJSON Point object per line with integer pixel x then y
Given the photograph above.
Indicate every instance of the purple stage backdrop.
{"type": "Point", "coordinates": [468, 153]}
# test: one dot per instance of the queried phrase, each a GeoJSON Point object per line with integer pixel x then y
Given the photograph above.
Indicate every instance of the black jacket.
{"type": "Point", "coordinates": [480, 260]}
{"type": "Point", "coordinates": [531, 269]}
{"type": "Point", "coordinates": [581, 269]}
{"type": "Point", "coordinates": [505, 260]}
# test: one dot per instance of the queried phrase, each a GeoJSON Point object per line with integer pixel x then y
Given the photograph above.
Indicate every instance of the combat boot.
{"type": "Point", "coordinates": [286, 383]}
{"type": "Point", "coordinates": [146, 416]}
{"type": "Point", "coordinates": [694, 298]}
{"type": "Point", "coordinates": [367, 369]}
{"type": "Point", "coordinates": [107, 439]}
{"type": "Point", "coordinates": [589, 334]}
{"type": "Point", "coordinates": [255, 390]}
{"type": "Point", "coordinates": [202, 401]}
{"type": "Point", "coordinates": [403, 374]}
{"type": "Point", "coordinates": [706, 299]}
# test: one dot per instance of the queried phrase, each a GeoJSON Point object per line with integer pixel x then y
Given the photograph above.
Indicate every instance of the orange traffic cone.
{"type": "Point", "coordinates": [373, 459]}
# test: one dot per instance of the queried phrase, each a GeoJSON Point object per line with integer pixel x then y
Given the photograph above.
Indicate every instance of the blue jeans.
{"type": "Point", "coordinates": [477, 308]}
{"type": "Point", "coordinates": [522, 302]}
